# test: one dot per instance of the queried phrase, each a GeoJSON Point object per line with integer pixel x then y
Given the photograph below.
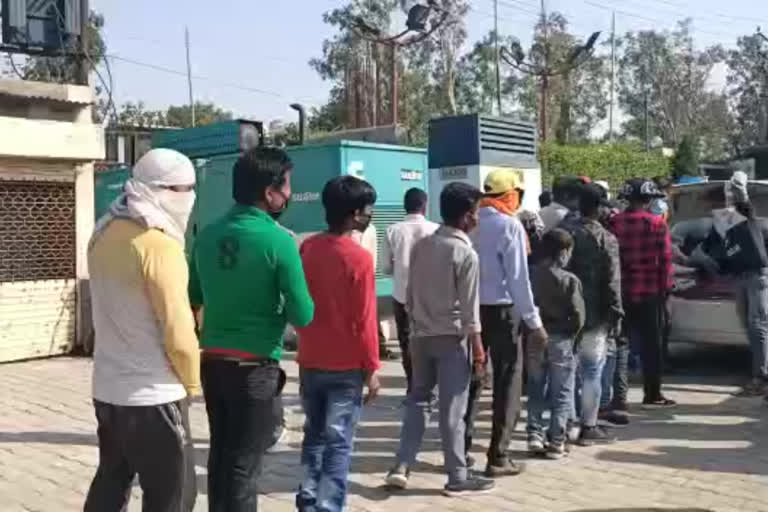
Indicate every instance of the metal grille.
{"type": "Point", "coordinates": [37, 230]}
{"type": "Point", "coordinates": [383, 217]}
{"type": "Point", "coordinates": [505, 135]}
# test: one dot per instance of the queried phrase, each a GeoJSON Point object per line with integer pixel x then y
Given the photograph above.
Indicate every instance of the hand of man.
{"type": "Point", "coordinates": [539, 337]}
{"type": "Point", "coordinates": [373, 385]}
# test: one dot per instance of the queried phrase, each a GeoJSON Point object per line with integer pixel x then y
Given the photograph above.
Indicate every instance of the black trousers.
{"type": "Point", "coordinates": [404, 338]}
{"type": "Point", "coordinates": [501, 337]}
{"type": "Point", "coordinates": [240, 399]}
{"type": "Point", "coordinates": [645, 325]}
{"type": "Point", "coordinates": [152, 442]}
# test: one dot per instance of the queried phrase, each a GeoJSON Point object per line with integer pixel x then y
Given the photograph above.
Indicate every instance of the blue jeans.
{"type": "Point", "coordinates": [756, 289]}
{"type": "Point", "coordinates": [550, 386]}
{"type": "Point", "coordinates": [332, 403]}
{"type": "Point", "coordinates": [589, 374]}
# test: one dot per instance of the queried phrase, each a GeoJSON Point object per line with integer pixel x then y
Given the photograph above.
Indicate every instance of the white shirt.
{"type": "Point", "coordinates": [552, 215]}
{"type": "Point", "coordinates": [396, 253]}
{"type": "Point", "coordinates": [368, 241]}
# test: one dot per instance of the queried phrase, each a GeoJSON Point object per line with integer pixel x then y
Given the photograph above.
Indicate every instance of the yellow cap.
{"type": "Point", "coordinates": [501, 181]}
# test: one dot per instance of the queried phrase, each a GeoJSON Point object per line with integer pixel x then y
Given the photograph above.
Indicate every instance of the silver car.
{"type": "Point", "coordinates": [705, 308]}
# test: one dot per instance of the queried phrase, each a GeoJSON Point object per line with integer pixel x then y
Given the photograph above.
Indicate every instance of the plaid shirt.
{"type": "Point", "coordinates": [646, 254]}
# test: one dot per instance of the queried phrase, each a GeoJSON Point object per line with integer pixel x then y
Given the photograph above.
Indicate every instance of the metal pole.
{"type": "Point", "coordinates": [497, 56]}
{"type": "Point", "coordinates": [613, 76]}
{"type": "Point", "coordinates": [83, 71]}
{"type": "Point", "coordinates": [394, 84]}
{"type": "Point", "coordinates": [189, 77]}
{"type": "Point", "coordinates": [545, 76]}
{"type": "Point", "coordinates": [647, 123]}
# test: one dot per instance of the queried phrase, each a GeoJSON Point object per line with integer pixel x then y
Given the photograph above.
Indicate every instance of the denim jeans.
{"type": "Point", "coordinates": [440, 362]}
{"type": "Point", "coordinates": [756, 290]}
{"type": "Point", "coordinates": [589, 373]}
{"type": "Point", "coordinates": [240, 401]}
{"type": "Point", "coordinates": [609, 371]}
{"type": "Point", "coordinates": [550, 386]}
{"type": "Point", "coordinates": [332, 402]}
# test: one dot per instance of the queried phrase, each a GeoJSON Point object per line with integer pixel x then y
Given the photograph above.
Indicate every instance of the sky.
{"type": "Point", "coordinates": [251, 56]}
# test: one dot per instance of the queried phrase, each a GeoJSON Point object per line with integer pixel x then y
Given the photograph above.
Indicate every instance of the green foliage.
{"type": "Point", "coordinates": [686, 159]}
{"type": "Point", "coordinates": [668, 68]}
{"type": "Point", "coordinates": [612, 163]}
{"type": "Point", "coordinates": [746, 87]}
{"type": "Point", "coordinates": [136, 114]}
{"type": "Point", "coordinates": [205, 113]}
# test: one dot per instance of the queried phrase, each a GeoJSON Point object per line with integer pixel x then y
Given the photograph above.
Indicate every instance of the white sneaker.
{"type": "Point", "coordinates": [536, 446]}
{"type": "Point", "coordinates": [573, 432]}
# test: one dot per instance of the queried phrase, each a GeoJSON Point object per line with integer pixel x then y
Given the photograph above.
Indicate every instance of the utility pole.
{"type": "Point", "coordinates": [189, 77]}
{"type": "Point", "coordinates": [395, 78]}
{"type": "Point", "coordinates": [647, 121]}
{"type": "Point", "coordinates": [497, 54]}
{"type": "Point", "coordinates": [613, 77]}
{"type": "Point", "coordinates": [545, 76]}
{"type": "Point", "coordinates": [83, 72]}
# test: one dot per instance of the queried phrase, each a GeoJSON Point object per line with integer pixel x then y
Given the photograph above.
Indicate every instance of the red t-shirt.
{"type": "Point", "coordinates": [343, 334]}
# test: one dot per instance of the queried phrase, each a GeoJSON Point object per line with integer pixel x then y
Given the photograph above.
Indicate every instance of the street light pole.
{"type": "Point", "coordinates": [395, 91]}
{"type": "Point", "coordinates": [418, 18]}
{"type": "Point", "coordinates": [497, 54]}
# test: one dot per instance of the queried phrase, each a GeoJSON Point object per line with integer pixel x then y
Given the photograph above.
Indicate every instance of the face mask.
{"type": "Point", "coordinates": [564, 258]}
{"type": "Point", "coordinates": [362, 225]}
{"type": "Point", "coordinates": [277, 212]}
{"type": "Point", "coordinates": [178, 205]}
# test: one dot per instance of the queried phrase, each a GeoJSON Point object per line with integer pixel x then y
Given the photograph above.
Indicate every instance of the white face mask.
{"type": "Point", "coordinates": [178, 205]}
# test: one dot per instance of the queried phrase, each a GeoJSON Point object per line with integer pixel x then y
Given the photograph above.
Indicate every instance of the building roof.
{"type": "Point", "coordinates": [64, 93]}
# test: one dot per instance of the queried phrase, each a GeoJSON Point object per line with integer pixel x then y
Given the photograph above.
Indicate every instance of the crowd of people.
{"type": "Point", "coordinates": [493, 296]}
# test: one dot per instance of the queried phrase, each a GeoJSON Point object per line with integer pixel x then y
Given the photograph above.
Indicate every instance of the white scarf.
{"type": "Point", "coordinates": [144, 200]}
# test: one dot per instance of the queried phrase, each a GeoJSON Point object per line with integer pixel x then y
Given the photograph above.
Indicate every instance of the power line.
{"type": "Point", "coordinates": [177, 72]}
{"type": "Point", "coordinates": [712, 13]}
{"type": "Point", "coordinates": [655, 21]}
{"type": "Point", "coordinates": [698, 18]}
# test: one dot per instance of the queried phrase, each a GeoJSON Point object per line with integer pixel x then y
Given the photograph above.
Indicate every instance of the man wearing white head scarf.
{"type": "Point", "coordinates": [146, 358]}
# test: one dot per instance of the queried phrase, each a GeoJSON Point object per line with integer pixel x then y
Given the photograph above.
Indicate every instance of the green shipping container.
{"type": "Point", "coordinates": [108, 185]}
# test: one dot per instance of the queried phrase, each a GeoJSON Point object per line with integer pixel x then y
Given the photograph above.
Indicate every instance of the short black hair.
{"type": "Point", "coordinates": [592, 196]}
{"type": "Point", "coordinates": [556, 241]}
{"type": "Point", "coordinates": [545, 199]}
{"type": "Point", "coordinates": [343, 196]}
{"type": "Point", "coordinates": [456, 200]}
{"type": "Point", "coordinates": [256, 170]}
{"type": "Point", "coordinates": [566, 187]}
{"type": "Point", "coordinates": [415, 200]}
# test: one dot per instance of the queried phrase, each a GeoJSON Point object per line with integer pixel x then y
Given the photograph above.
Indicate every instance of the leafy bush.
{"type": "Point", "coordinates": [612, 163]}
{"type": "Point", "coordinates": [686, 160]}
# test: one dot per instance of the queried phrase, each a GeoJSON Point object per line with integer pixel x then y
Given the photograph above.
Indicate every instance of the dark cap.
{"type": "Point", "coordinates": [641, 189]}
{"type": "Point", "coordinates": [593, 195]}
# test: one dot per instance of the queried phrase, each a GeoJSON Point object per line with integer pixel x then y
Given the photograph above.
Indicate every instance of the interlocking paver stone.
{"type": "Point", "coordinates": [709, 454]}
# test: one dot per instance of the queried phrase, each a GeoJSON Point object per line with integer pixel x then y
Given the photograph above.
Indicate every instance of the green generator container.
{"type": "Point", "coordinates": [108, 185]}
{"type": "Point", "coordinates": [390, 169]}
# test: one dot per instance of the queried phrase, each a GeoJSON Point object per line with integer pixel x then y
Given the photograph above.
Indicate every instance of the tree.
{"type": "Point", "coordinates": [665, 68]}
{"type": "Point", "coordinates": [357, 68]}
{"type": "Point", "coordinates": [747, 86]}
{"type": "Point", "coordinates": [577, 99]}
{"type": "Point", "coordinates": [137, 114]}
{"type": "Point", "coordinates": [205, 113]}
{"type": "Point", "coordinates": [686, 159]}
{"type": "Point", "coordinates": [360, 70]}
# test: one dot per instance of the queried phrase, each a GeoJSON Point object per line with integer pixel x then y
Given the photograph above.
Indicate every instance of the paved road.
{"type": "Point", "coordinates": [710, 454]}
